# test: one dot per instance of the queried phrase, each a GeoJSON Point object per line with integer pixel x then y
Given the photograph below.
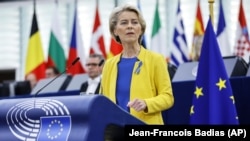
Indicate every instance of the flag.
{"type": "Point", "coordinates": [115, 48]}
{"type": "Point", "coordinates": [35, 61]}
{"type": "Point", "coordinates": [143, 42]}
{"type": "Point", "coordinates": [56, 128]}
{"type": "Point", "coordinates": [197, 35]}
{"type": "Point", "coordinates": [179, 53]}
{"type": "Point", "coordinates": [157, 37]}
{"type": "Point", "coordinates": [97, 41]}
{"type": "Point", "coordinates": [56, 55]}
{"type": "Point", "coordinates": [213, 100]}
{"type": "Point", "coordinates": [222, 34]}
{"type": "Point", "coordinates": [76, 49]}
{"type": "Point", "coordinates": [242, 47]}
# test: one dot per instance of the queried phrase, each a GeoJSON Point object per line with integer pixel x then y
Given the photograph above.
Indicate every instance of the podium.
{"type": "Point", "coordinates": [74, 118]}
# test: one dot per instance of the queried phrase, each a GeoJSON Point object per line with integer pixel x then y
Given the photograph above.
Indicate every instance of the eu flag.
{"type": "Point", "coordinates": [213, 100]}
{"type": "Point", "coordinates": [56, 128]}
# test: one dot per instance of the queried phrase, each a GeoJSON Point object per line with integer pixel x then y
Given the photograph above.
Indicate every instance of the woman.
{"type": "Point", "coordinates": [137, 79]}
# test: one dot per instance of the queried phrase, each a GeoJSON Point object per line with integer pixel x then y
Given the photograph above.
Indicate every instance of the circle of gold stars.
{"type": "Point", "coordinates": [58, 122]}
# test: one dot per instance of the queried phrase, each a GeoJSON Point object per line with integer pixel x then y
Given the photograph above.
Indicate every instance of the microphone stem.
{"type": "Point", "coordinates": [49, 83]}
{"type": "Point", "coordinates": [72, 64]}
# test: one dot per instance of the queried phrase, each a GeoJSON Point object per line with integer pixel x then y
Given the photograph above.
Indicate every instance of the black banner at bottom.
{"type": "Point", "coordinates": [163, 132]}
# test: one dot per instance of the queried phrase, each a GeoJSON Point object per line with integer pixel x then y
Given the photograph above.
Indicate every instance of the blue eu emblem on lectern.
{"type": "Point", "coordinates": [56, 128]}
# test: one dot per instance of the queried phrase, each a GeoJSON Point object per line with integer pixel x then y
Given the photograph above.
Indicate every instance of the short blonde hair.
{"type": "Point", "coordinates": [113, 19]}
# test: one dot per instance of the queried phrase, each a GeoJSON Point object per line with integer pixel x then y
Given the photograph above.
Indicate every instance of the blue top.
{"type": "Point", "coordinates": [125, 70]}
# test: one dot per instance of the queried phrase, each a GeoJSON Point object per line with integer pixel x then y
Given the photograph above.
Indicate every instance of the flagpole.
{"type": "Point", "coordinates": [76, 2]}
{"type": "Point", "coordinates": [34, 3]}
{"type": "Point", "coordinates": [116, 2]}
{"type": "Point", "coordinates": [211, 10]}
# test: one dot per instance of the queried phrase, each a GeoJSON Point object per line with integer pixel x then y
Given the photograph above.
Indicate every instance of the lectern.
{"type": "Point", "coordinates": [64, 118]}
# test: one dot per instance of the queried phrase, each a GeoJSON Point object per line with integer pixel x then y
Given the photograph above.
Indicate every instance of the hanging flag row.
{"type": "Point", "coordinates": [35, 61]}
{"type": "Point", "coordinates": [179, 52]}
{"type": "Point", "coordinates": [241, 47]}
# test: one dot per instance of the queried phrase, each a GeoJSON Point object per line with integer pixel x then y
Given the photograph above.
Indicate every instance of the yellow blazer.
{"type": "Point", "coordinates": [151, 84]}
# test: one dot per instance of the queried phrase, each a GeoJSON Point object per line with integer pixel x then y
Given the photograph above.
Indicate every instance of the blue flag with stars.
{"type": "Point", "coordinates": [213, 100]}
{"type": "Point", "coordinates": [54, 128]}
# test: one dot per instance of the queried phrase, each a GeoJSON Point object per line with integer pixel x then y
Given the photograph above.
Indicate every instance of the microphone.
{"type": "Point", "coordinates": [101, 62]}
{"type": "Point", "coordinates": [74, 62]}
{"type": "Point", "coordinates": [67, 68]}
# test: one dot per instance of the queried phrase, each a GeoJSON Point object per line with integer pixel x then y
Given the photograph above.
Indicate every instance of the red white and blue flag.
{"type": "Point", "coordinates": [76, 49]}
{"type": "Point", "coordinates": [242, 47]}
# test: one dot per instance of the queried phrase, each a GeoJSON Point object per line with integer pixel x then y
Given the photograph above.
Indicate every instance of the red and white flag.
{"type": "Point", "coordinates": [97, 41]}
{"type": "Point", "coordinates": [242, 46]}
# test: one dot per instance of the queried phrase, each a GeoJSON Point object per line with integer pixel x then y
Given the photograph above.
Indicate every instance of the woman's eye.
{"type": "Point", "coordinates": [123, 22]}
{"type": "Point", "coordinates": [135, 22]}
